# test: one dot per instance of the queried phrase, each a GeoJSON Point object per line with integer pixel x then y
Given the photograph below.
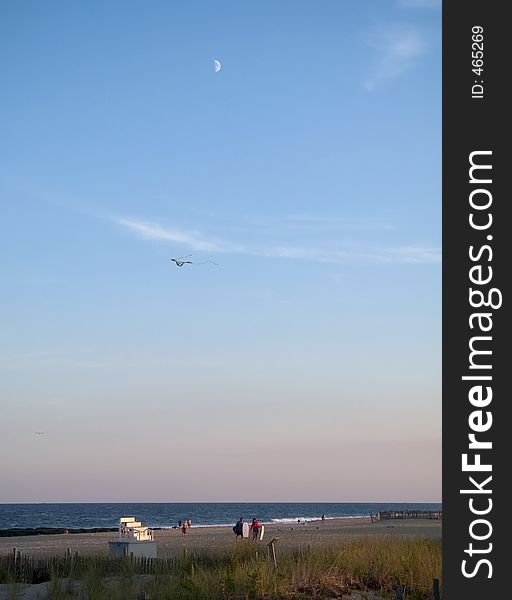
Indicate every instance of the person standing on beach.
{"type": "Point", "coordinates": [255, 527]}
{"type": "Point", "coordinates": [184, 528]}
{"type": "Point", "coordinates": [238, 528]}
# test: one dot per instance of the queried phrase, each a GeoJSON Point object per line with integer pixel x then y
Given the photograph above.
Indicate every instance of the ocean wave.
{"type": "Point", "coordinates": [287, 520]}
{"type": "Point", "coordinates": [275, 521]}
{"type": "Point", "coordinates": [291, 520]}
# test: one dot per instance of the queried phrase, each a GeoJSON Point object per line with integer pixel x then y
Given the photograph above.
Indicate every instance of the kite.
{"type": "Point", "coordinates": [181, 261]}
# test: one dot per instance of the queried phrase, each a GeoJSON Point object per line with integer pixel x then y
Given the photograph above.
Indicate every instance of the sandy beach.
{"type": "Point", "coordinates": [330, 533]}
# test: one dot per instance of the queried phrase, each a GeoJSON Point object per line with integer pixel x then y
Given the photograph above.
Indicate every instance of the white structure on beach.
{"type": "Point", "coordinates": [131, 529]}
{"type": "Point", "coordinates": [135, 539]}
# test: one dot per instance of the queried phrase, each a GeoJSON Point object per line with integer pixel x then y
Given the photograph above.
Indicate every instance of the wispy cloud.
{"type": "Point", "coordinates": [407, 254]}
{"type": "Point", "coordinates": [400, 254]}
{"type": "Point", "coordinates": [195, 240]}
{"type": "Point", "coordinates": [398, 50]}
{"type": "Point", "coordinates": [325, 252]}
{"type": "Point", "coordinates": [318, 223]}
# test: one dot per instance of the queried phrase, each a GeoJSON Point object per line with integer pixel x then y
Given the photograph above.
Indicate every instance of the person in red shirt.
{"type": "Point", "coordinates": [255, 527]}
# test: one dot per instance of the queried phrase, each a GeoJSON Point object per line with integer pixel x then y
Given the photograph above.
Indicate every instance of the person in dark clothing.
{"type": "Point", "coordinates": [238, 528]}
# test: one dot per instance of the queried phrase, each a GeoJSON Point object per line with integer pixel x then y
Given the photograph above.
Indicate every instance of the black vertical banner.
{"type": "Point", "coordinates": [476, 272]}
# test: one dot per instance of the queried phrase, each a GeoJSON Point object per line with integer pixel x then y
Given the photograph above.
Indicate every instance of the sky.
{"type": "Point", "coordinates": [306, 364]}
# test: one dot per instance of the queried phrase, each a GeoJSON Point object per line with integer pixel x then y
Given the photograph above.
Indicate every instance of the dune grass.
{"type": "Point", "coordinates": [366, 564]}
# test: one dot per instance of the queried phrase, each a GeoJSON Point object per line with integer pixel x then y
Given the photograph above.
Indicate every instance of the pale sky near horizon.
{"type": "Point", "coordinates": [306, 366]}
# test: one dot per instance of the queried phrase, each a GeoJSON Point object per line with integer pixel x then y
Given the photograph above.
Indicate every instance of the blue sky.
{"type": "Point", "coordinates": [308, 168]}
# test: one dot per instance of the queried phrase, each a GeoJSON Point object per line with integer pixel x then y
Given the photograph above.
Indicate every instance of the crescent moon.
{"type": "Point", "coordinates": [217, 66]}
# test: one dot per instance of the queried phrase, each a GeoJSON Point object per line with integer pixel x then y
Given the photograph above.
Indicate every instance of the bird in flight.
{"type": "Point", "coordinates": [181, 261]}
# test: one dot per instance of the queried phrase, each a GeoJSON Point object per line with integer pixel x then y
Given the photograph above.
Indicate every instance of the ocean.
{"type": "Point", "coordinates": [162, 514]}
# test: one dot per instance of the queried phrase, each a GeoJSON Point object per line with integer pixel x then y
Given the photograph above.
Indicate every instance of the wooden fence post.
{"type": "Point", "coordinates": [400, 592]}
{"type": "Point", "coordinates": [272, 550]}
{"type": "Point", "coordinates": [435, 585]}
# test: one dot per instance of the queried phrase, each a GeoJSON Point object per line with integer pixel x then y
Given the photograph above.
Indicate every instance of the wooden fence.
{"type": "Point", "coordinates": [15, 567]}
{"type": "Point", "coordinates": [411, 514]}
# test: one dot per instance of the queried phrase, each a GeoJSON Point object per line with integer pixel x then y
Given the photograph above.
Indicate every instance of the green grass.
{"type": "Point", "coordinates": [365, 564]}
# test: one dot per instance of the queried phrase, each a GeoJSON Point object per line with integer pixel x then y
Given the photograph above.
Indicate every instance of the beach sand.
{"type": "Point", "coordinates": [331, 533]}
